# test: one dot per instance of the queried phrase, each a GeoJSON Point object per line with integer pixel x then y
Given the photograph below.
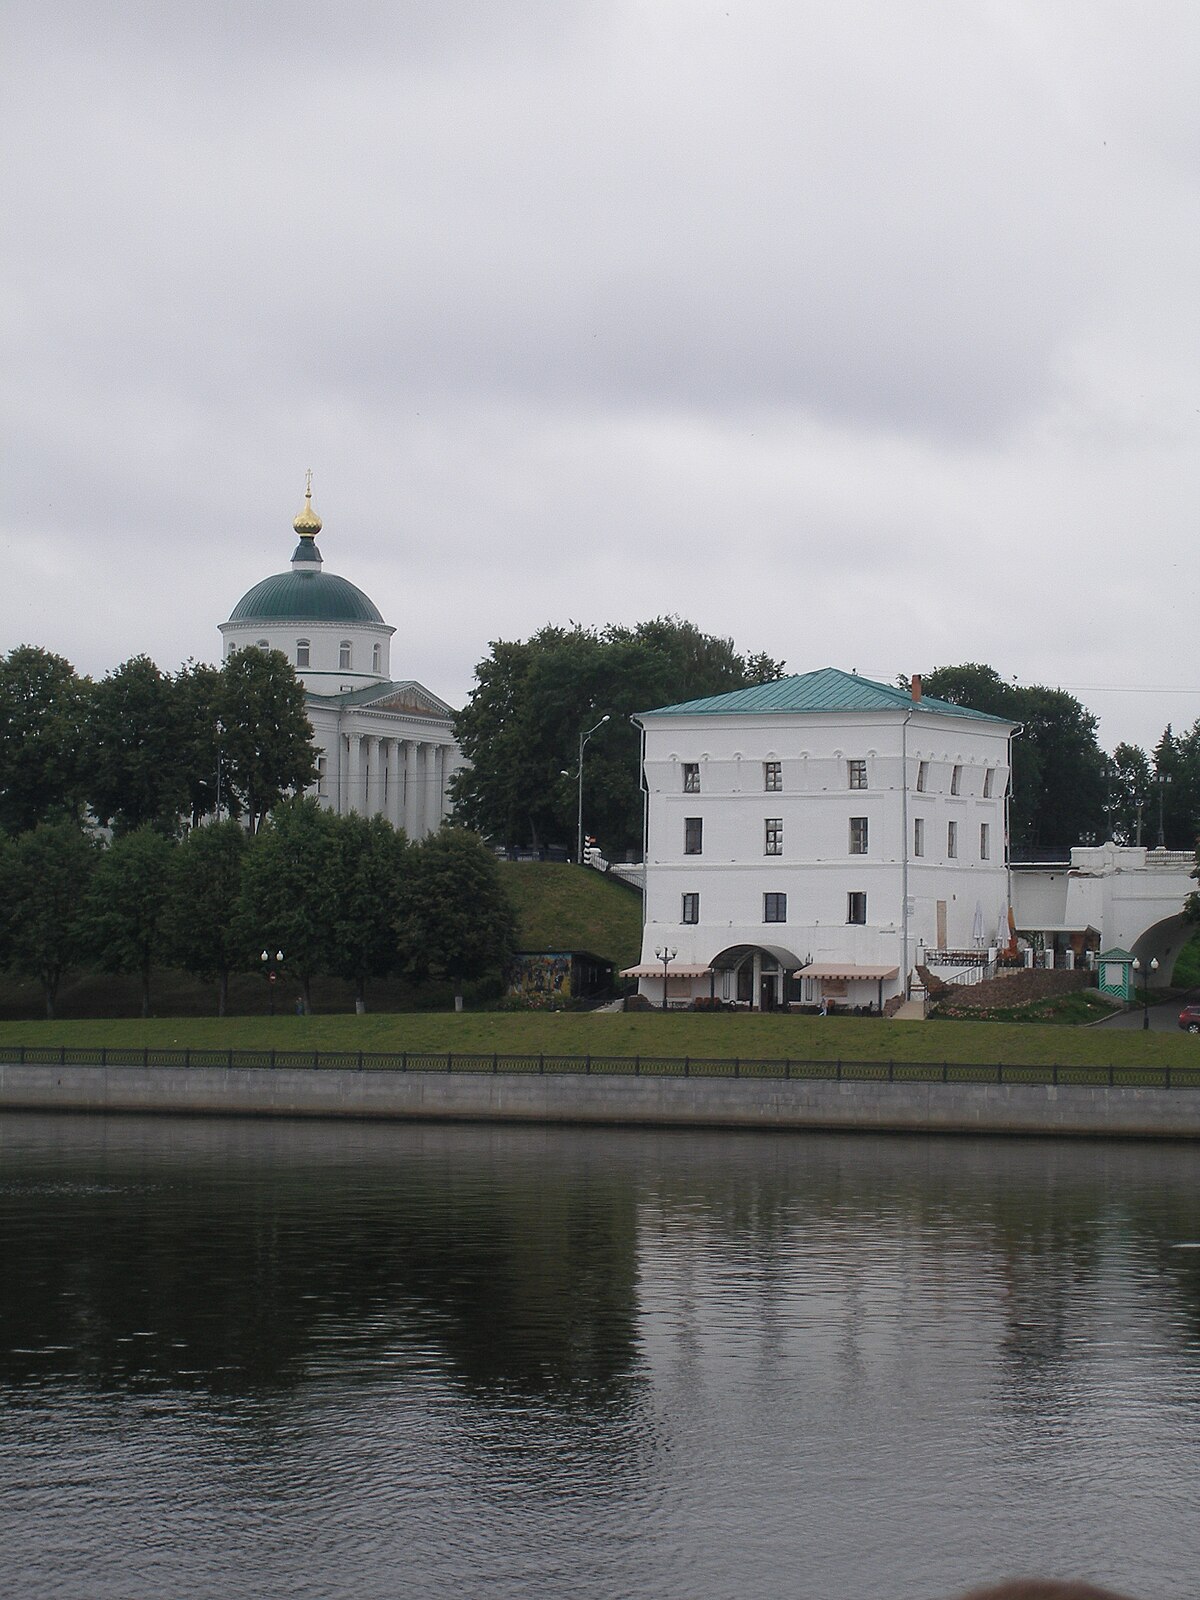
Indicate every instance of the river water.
{"type": "Point", "coordinates": [323, 1360]}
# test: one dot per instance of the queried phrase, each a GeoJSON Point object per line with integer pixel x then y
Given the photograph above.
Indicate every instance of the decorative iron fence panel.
{"type": "Point", "coordinates": [750, 1067]}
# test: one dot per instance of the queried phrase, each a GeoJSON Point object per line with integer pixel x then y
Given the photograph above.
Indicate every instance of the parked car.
{"type": "Point", "coordinates": [1189, 1018]}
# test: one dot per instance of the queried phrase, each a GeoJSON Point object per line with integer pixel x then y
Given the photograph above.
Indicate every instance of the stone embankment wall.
{"type": "Point", "coordinates": [1089, 1110]}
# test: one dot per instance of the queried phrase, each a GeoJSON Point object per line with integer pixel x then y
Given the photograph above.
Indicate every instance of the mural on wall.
{"type": "Point", "coordinates": [545, 977]}
{"type": "Point", "coordinates": [541, 976]}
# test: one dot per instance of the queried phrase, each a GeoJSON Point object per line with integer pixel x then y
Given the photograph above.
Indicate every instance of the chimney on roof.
{"type": "Point", "coordinates": [916, 687]}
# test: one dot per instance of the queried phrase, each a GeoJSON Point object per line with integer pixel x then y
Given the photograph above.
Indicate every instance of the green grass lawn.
{"type": "Point", "coordinates": [635, 1033]}
{"type": "Point", "coordinates": [563, 907]}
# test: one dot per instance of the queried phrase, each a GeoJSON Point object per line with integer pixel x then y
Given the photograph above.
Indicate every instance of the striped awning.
{"type": "Point", "coordinates": [844, 969]}
{"type": "Point", "coordinates": [655, 970]}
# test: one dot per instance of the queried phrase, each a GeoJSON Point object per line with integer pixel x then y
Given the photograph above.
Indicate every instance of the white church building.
{"type": "Point", "coordinates": [807, 839]}
{"type": "Point", "coordinates": [385, 746]}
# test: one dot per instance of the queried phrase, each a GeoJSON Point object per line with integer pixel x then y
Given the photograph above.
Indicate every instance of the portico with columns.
{"type": "Point", "coordinates": [386, 747]}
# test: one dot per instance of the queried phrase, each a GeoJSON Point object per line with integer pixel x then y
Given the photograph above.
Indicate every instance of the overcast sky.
{"type": "Point", "coordinates": [862, 331]}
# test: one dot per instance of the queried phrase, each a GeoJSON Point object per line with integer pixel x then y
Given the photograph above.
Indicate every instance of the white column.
{"type": "Point", "coordinates": [412, 786]}
{"type": "Point", "coordinates": [354, 775]}
{"type": "Point", "coordinates": [374, 797]}
{"type": "Point", "coordinates": [436, 788]}
{"type": "Point", "coordinates": [395, 782]}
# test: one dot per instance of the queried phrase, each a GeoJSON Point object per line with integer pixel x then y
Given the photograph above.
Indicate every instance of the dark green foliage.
{"type": "Point", "coordinates": [197, 694]}
{"type": "Point", "coordinates": [203, 932]}
{"type": "Point", "coordinates": [43, 707]}
{"type": "Point", "coordinates": [1177, 762]}
{"type": "Point", "coordinates": [267, 739]}
{"type": "Point", "coordinates": [1059, 785]}
{"type": "Point", "coordinates": [1128, 811]}
{"type": "Point", "coordinates": [458, 922]}
{"type": "Point", "coordinates": [533, 699]}
{"type": "Point", "coordinates": [44, 879]}
{"type": "Point", "coordinates": [136, 757]}
{"type": "Point", "coordinates": [289, 890]}
{"type": "Point", "coordinates": [127, 905]}
{"type": "Point", "coordinates": [370, 896]}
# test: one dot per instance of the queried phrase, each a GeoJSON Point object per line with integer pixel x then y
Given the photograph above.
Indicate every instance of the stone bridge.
{"type": "Point", "coordinates": [1130, 896]}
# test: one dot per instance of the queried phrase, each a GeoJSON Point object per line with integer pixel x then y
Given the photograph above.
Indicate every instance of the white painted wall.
{"type": "Point", "coordinates": [816, 869]}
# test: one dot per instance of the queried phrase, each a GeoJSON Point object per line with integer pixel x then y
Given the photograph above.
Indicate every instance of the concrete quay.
{"type": "Point", "coordinates": [770, 1103]}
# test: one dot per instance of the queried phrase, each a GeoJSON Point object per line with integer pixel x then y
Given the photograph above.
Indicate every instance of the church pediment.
{"type": "Point", "coordinates": [409, 699]}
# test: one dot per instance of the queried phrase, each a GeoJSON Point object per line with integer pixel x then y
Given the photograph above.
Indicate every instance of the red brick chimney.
{"type": "Point", "coordinates": [916, 687]}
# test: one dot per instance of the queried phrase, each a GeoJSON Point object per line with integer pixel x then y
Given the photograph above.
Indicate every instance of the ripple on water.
{"type": "Point", "coordinates": [244, 1359]}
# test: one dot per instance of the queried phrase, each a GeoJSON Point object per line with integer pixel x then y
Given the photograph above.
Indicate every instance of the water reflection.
{"type": "Point", "coordinates": [358, 1359]}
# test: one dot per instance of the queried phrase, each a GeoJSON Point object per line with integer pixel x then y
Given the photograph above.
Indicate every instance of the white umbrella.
{"type": "Point", "coordinates": [977, 925]}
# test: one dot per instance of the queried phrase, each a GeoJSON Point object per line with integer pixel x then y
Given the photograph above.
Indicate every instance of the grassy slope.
{"type": "Point", "coordinates": [677, 1034]}
{"type": "Point", "coordinates": [561, 907]}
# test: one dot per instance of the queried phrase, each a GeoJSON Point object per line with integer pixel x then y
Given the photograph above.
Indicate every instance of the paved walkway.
{"type": "Point", "coordinates": [1164, 1018]}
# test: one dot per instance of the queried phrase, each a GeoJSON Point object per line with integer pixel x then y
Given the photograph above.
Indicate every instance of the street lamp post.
{"type": "Point", "coordinates": [666, 957]}
{"type": "Point", "coordinates": [583, 739]}
{"type": "Point", "coordinates": [271, 969]}
{"type": "Point", "coordinates": [1150, 970]}
{"type": "Point", "coordinates": [1162, 785]}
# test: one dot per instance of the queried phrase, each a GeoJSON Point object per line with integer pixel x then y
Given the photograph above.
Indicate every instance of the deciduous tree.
{"type": "Point", "coordinates": [534, 698]}
{"type": "Point", "coordinates": [136, 753]}
{"type": "Point", "coordinates": [458, 922]}
{"type": "Point", "coordinates": [127, 905]}
{"type": "Point", "coordinates": [267, 741]}
{"type": "Point", "coordinates": [290, 890]}
{"type": "Point", "coordinates": [44, 878]}
{"type": "Point", "coordinates": [370, 892]}
{"type": "Point", "coordinates": [43, 707]}
{"type": "Point", "coordinates": [1059, 783]}
{"type": "Point", "coordinates": [204, 932]}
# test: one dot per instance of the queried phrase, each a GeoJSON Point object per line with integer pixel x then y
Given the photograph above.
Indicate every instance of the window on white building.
{"type": "Point", "coordinates": [858, 836]}
{"type": "Point", "coordinates": [691, 777]}
{"type": "Point", "coordinates": [956, 780]}
{"type": "Point", "coordinates": [376, 658]}
{"type": "Point", "coordinates": [856, 774]}
{"type": "Point", "coordinates": [774, 908]}
{"type": "Point", "coordinates": [922, 776]}
{"type": "Point", "coordinates": [952, 840]}
{"type": "Point", "coordinates": [856, 906]}
{"type": "Point", "coordinates": [322, 764]}
{"type": "Point", "coordinates": [693, 836]}
{"type": "Point", "coordinates": [918, 836]}
{"type": "Point", "coordinates": [302, 652]}
{"type": "Point", "coordinates": [772, 776]}
{"type": "Point", "coordinates": [345, 655]}
{"type": "Point", "coordinates": [988, 774]}
{"type": "Point", "coordinates": [985, 841]}
{"type": "Point", "coordinates": [773, 836]}
{"type": "Point", "coordinates": [691, 908]}
{"type": "Point", "coordinates": [262, 644]}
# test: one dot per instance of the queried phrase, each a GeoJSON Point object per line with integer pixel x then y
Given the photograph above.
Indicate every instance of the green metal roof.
{"type": "Point", "coordinates": [304, 597]}
{"type": "Point", "coordinates": [828, 689]}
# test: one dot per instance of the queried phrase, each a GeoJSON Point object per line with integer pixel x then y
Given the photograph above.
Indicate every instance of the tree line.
{"type": "Point", "coordinates": [1065, 789]}
{"type": "Point", "coordinates": [533, 699]}
{"type": "Point", "coordinates": [145, 748]}
{"type": "Point", "coordinates": [347, 897]}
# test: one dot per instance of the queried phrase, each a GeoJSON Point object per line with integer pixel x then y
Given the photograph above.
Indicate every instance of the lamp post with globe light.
{"type": "Point", "coordinates": [1149, 972]}
{"type": "Point", "coordinates": [270, 969]}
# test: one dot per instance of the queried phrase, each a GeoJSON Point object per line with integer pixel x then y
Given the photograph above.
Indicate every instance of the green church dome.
{"type": "Point", "coordinates": [304, 597]}
{"type": "Point", "coordinates": [305, 594]}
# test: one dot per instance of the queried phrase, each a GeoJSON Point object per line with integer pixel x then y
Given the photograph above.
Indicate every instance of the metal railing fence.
{"type": "Point", "coordinates": [790, 1068]}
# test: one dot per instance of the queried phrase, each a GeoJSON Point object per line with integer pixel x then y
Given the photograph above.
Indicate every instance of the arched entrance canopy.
{"type": "Point", "coordinates": [762, 971]}
{"type": "Point", "coordinates": [735, 954]}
